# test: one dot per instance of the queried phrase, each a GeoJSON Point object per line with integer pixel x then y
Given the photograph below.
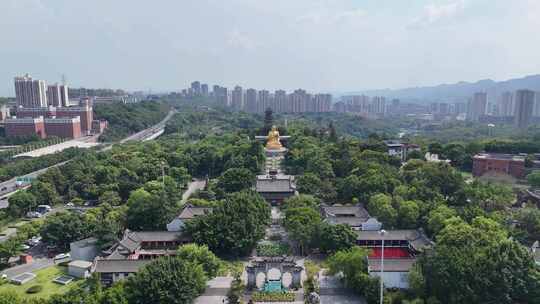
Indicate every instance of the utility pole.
{"type": "Point", "coordinates": [382, 233]}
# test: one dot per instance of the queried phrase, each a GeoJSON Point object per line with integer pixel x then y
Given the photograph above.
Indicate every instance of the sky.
{"type": "Point", "coordinates": [318, 45]}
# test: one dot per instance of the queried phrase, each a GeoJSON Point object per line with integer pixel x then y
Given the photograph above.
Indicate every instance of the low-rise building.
{"type": "Point", "coordinates": [400, 149]}
{"type": "Point", "coordinates": [510, 164]}
{"type": "Point", "coordinates": [111, 271]}
{"type": "Point", "coordinates": [401, 247]}
{"type": "Point", "coordinates": [25, 127]}
{"type": "Point", "coordinates": [98, 126]}
{"type": "Point", "coordinates": [134, 250]}
{"type": "Point", "coordinates": [189, 212]}
{"type": "Point", "coordinates": [84, 250]}
{"type": "Point", "coordinates": [63, 127]}
{"type": "Point", "coordinates": [80, 269]}
{"type": "Point", "coordinates": [409, 241]}
{"type": "Point", "coordinates": [275, 188]}
{"type": "Point", "coordinates": [395, 272]}
{"type": "Point", "coordinates": [4, 112]}
{"type": "Point", "coordinates": [356, 217]}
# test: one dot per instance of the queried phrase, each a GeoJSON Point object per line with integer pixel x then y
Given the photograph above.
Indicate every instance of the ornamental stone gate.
{"type": "Point", "coordinates": [283, 264]}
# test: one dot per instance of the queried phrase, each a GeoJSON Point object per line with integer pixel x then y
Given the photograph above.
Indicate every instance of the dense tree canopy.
{"type": "Point", "coordinates": [167, 280]}
{"type": "Point", "coordinates": [235, 226]}
{"type": "Point", "coordinates": [477, 263]}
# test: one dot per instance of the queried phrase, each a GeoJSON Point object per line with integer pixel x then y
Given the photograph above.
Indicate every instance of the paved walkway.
{"type": "Point", "coordinates": [36, 264]}
{"type": "Point", "coordinates": [192, 188]}
{"type": "Point", "coordinates": [332, 291]}
{"type": "Point", "coordinates": [216, 291]}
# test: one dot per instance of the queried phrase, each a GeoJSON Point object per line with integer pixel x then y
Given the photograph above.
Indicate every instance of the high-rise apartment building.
{"type": "Point", "coordinates": [506, 104]}
{"type": "Point", "coordinates": [57, 95]}
{"type": "Point", "coordinates": [322, 103]}
{"type": "Point", "coordinates": [222, 96]}
{"type": "Point", "coordinates": [251, 100]}
{"type": "Point", "coordinates": [265, 102]}
{"type": "Point", "coordinates": [204, 90]}
{"type": "Point", "coordinates": [536, 110]}
{"type": "Point", "coordinates": [378, 105]}
{"type": "Point", "coordinates": [477, 106]}
{"type": "Point", "coordinates": [460, 107]}
{"type": "Point", "coordinates": [215, 90]}
{"type": "Point", "coordinates": [238, 98]}
{"type": "Point", "coordinates": [280, 101]}
{"type": "Point", "coordinates": [30, 93]}
{"type": "Point", "coordinates": [196, 88]}
{"type": "Point", "coordinates": [524, 104]}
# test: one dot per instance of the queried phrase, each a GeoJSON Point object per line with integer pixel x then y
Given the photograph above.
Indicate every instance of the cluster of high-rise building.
{"type": "Point", "coordinates": [46, 111]}
{"type": "Point", "coordinates": [257, 101]}
{"type": "Point", "coordinates": [365, 105]}
{"type": "Point", "coordinates": [519, 107]}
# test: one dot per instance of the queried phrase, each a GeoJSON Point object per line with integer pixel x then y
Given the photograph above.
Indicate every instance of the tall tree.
{"type": "Point", "coordinates": [167, 280]}
{"type": "Point", "coordinates": [234, 227]}
{"type": "Point", "coordinates": [200, 255]}
{"type": "Point", "coordinates": [20, 203]}
{"type": "Point", "coordinates": [151, 208]}
{"type": "Point", "coordinates": [60, 229]}
{"type": "Point", "coordinates": [332, 238]}
{"type": "Point", "coordinates": [478, 263]}
{"type": "Point", "coordinates": [235, 179]}
{"type": "Point", "coordinates": [302, 224]}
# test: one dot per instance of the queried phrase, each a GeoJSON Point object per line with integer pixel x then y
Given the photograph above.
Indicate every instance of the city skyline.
{"type": "Point", "coordinates": [316, 45]}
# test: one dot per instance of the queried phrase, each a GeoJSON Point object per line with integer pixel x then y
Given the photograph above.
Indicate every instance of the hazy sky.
{"type": "Point", "coordinates": [332, 45]}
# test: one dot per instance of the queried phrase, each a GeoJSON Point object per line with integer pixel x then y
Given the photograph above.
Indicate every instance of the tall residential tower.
{"type": "Point", "coordinates": [30, 93]}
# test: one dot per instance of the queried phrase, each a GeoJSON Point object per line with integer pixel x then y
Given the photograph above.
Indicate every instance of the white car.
{"type": "Point", "coordinates": [62, 256]}
{"type": "Point", "coordinates": [34, 241]}
{"type": "Point", "coordinates": [33, 214]}
{"type": "Point", "coordinates": [25, 247]}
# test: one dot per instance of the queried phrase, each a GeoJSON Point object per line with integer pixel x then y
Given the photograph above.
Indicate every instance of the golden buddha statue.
{"type": "Point", "coordinates": [273, 139]}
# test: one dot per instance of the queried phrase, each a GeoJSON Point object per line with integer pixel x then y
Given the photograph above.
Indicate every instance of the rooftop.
{"type": "Point", "coordinates": [500, 156]}
{"type": "Point", "coordinates": [350, 215]}
{"type": "Point", "coordinates": [114, 266]}
{"type": "Point", "coordinates": [80, 264]}
{"type": "Point", "coordinates": [276, 183]}
{"type": "Point", "coordinates": [190, 212]}
{"type": "Point", "coordinates": [91, 241]}
{"type": "Point", "coordinates": [417, 239]}
{"type": "Point", "coordinates": [132, 241]}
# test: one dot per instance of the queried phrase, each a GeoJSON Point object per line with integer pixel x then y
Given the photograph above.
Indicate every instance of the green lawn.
{"type": "Point", "coordinates": [44, 278]}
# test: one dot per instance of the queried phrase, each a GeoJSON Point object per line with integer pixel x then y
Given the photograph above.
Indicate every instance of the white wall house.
{"type": "Point", "coordinates": [395, 272]}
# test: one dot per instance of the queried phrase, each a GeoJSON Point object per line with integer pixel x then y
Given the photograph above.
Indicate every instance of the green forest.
{"type": "Point", "coordinates": [481, 240]}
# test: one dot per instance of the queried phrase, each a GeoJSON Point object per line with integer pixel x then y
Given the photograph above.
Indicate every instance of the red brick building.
{"type": "Point", "coordinates": [84, 112]}
{"type": "Point", "coordinates": [25, 127]}
{"type": "Point", "coordinates": [63, 127]}
{"type": "Point", "coordinates": [36, 112]}
{"type": "Point", "coordinates": [83, 115]}
{"type": "Point", "coordinates": [98, 126]}
{"type": "Point", "coordinates": [511, 164]}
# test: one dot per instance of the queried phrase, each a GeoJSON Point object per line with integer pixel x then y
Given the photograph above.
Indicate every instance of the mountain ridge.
{"type": "Point", "coordinates": [458, 91]}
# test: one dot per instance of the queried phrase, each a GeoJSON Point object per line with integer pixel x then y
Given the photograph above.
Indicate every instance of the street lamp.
{"type": "Point", "coordinates": [382, 233]}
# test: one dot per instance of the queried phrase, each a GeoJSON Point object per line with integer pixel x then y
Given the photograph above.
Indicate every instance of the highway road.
{"type": "Point", "coordinates": [9, 187]}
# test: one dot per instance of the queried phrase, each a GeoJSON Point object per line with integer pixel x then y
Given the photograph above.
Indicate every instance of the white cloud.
{"type": "Point", "coordinates": [241, 40]}
{"type": "Point", "coordinates": [438, 14]}
{"type": "Point", "coordinates": [328, 17]}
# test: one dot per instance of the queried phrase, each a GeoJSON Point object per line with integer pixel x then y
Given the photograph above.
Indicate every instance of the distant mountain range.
{"type": "Point", "coordinates": [457, 92]}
